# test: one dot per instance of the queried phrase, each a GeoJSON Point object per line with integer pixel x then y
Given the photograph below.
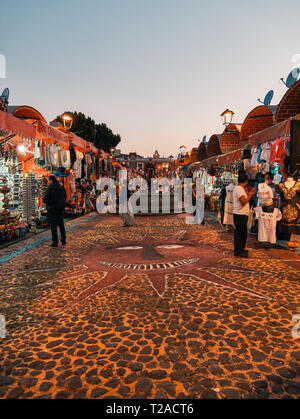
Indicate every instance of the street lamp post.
{"type": "Point", "coordinates": [113, 152]}
{"type": "Point", "coordinates": [67, 119]}
{"type": "Point", "coordinates": [182, 154]}
{"type": "Point", "coordinates": [183, 150]}
{"type": "Point", "coordinates": [227, 117]}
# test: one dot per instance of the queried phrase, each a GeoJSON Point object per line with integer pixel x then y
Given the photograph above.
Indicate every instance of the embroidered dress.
{"type": "Point", "coordinates": [291, 208]}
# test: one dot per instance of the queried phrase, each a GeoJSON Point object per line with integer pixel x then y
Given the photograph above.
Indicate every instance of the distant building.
{"type": "Point", "coordinates": [137, 162]}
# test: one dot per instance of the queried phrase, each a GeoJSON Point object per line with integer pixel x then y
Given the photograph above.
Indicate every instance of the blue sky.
{"type": "Point", "coordinates": [159, 72]}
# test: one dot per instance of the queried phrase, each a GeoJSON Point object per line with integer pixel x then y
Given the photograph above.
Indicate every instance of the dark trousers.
{"type": "Point", "coordinates": [240, 233]}
{"type": "Point", "coordinates": [57, 220]}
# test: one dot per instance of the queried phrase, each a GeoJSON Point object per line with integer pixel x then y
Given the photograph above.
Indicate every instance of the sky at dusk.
{"type": "Point", "coordinates": [158, 72]}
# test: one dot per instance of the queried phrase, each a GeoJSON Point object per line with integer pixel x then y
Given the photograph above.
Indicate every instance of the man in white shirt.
{"type": "Point", "coordinates": [241, 209]}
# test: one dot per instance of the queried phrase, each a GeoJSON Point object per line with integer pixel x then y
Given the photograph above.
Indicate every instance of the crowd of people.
{"type": "Point", "coordinates": [250, 206]}
{"type": "Point", "coordinates": [258, 204]}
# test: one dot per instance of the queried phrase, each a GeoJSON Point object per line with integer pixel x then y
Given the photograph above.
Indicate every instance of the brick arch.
{"type": "Point", "coordinates": [257, 120]}
{"type": "Point", "coordinates": [213, 146]}
{"type": "Point", "coordinates": [230, 139]}
{"type": "Point", "coordinates": [2, 106]}
{"type": "Point", "coordinates": [194, 154]}
{"type": "Point", "coordinates": [26, 112]}
{"type": "Point", "coordinates": [202, 152]}
{"type": "Point", "coordinates": [289, 105]}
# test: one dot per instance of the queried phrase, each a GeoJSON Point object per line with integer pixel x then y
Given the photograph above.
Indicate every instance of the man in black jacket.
{"type": "Point", "coordinates": [55, 199]}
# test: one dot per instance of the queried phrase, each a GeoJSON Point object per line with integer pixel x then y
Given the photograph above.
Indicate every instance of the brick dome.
{"type": "Point", "coordinates": [230, 139]}
{"type": "Point", "coordinates": [194, 154]}
{"type": "Point", "coordinates": [213, 146]}
{"type": "Point", "coordinates": [257, 120]}
{"type": "Point", "coordinates": [26, 112]}
{"type": "Point", "coordinates": [289, 105]}
{"type": "Point", "coordinates": [202, 153]}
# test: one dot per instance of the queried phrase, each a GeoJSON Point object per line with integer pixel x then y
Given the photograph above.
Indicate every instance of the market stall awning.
{"type": "Point", "coordinates": [210, 162]}
{"type": "Point", "coordinates": [280, 130]}
{"type": "Point", "coordinates": [80, 142]}
{"type": "Point", "coordinates": [232, 157]}
{"type": "Point", "coordinates": [94, 149]}
{"type": "Point", "coordinates": [45, 131]}
{"type": "Point", "coordinates": [16, 126]}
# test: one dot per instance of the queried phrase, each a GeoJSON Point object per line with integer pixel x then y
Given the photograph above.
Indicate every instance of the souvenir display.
{"type": "Point", "coordinates": [267, 224]}
{"type": "Point", "coordinates": [290, 195]}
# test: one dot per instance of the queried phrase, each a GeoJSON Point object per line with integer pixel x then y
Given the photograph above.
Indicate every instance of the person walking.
{"type": "Point", "coordinates": [55, 199]}
{"type": "Point", "coordinates": [241, 210]}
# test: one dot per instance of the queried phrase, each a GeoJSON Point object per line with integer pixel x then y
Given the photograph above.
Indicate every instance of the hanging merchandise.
{"type": "Point", "coordinates": [11, 227]}
{"type": "Point", "coordinates": [77, 166]}
{"type": "Point", "coordinates": [228, 213]}
{"type": "Point", "coordinates": [255, 156]}
{"type": "Point", "coordinates": [267, 223]}
{"type": "Point", "coordinates": [266, 152]}
{"type": "Point", "coordinates": [290, 195]}
{"type": "Point", "coordinates": [29, 193]}
{"type": "Point", "coordinates": [265, 195]}
{"type": "Point", "coordinates": [264, 167]}
{"type": "Point", "coordinates": [11, 173]}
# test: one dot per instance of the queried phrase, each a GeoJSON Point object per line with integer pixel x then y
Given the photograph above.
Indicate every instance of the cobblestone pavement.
{"type": "Point", "coordinates": [161, 309]}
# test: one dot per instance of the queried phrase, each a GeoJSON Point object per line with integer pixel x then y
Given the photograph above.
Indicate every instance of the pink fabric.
{"type": "Point", "coordinates": [278, 151]}
{"type": "Point", "coordinates": [209, 162]}
{"type": "Point", "coordinates": [230, 157]}
{"type": "Point", "coordinates": [45, 131]}
{"type": "Point", "coordinates": [80, 142]}
{"type": "Point", "coordinates": [16, 126]}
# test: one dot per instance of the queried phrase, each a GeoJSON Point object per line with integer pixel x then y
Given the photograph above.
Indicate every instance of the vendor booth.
{"type": "Point", "coordinates": [32, 150]}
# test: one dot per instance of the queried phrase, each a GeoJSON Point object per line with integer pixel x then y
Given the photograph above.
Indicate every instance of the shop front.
{"type": "Point", "coordinates": [29, 153]}
{"type": "Point", "coordinates": [12, 224]}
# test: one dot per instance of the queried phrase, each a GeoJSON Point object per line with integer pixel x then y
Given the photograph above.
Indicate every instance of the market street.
{"type": "Point", "coordinates": [158, 310]}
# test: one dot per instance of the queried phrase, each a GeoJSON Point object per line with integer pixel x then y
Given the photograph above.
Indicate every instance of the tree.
{"type": "Point", "coordinates": [105, 138]}
{"type": "Point", "coordinates": [98, 134]}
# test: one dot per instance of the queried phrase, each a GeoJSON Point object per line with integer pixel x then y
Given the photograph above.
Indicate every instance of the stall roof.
{"type": "Point", "coordinates": [229, 158]}
{"type": "Point", "coordinates": [80, 142]}
{"type": "Point", "coordinates": [210, 162]}
{"type": "Point", "coordinates": [48, 132]}
{"type": "Point", "coordinates": [269, 134]}
{"type": "Point", "coordinates": [16, 126]}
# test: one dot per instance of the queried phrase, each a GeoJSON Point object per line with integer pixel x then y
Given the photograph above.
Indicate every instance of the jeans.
{"type": "Point", "coordinates": [57, 220]}
{"type": "Point", "coordinates": [240, 233]}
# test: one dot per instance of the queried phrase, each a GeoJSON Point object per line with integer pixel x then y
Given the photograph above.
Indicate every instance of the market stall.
{"type": "Point", "coordinates": [29, 154]}
{"type": "Point", "coordinates": [12, 224]}
{"type": "Point", "coordinates": [217, 173]}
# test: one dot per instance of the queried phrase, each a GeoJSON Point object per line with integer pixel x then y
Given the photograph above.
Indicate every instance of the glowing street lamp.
{"type": "Point", "coordinates": [183, 150]}
{"type": "Point", "coordinates": [227, 117]}
{"type": "Point", "coordinates": [113, 151]}
{"type": "Point", "coordinates": [67, 121]}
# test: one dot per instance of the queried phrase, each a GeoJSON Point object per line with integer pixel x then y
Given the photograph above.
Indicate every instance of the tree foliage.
{"type": "Point", "coordinates": [98, 134]}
